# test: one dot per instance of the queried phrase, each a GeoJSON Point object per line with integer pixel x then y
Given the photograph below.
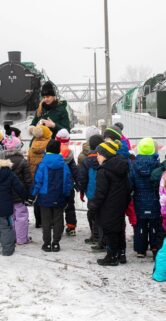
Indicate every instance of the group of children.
{"type": "Point", "coordinates": [114, 183]}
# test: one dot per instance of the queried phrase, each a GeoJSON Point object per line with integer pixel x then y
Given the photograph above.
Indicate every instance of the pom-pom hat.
{"type": "Point", "coordinates": [12, 142]}
{"type": "Point", "coordinates": [113, 132]}
{"type": "Point", "coordinates": [63, 135]}
{"type": "Point", "coordinates": [146, 146]}
{"type": "Point", "coordinates": [108, 149]}
{"type": "Point", "coordinates": [9, 130]}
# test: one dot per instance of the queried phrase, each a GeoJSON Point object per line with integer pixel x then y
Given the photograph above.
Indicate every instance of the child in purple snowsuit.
{"type": "Point", "coordinates": [12, 146]}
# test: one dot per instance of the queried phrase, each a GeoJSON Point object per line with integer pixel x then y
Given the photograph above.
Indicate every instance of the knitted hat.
{"type": "Point", "coordinates": [146, 146]}
{"type": "Point", "coordinates": [53, 147]}
{"type": "Point", "coordinates": [48, 89]}
{"type": "Point", "coordinates": [41, 131]}
{"type": "Point", "coordinates": [120, 125]}
{"type": "Point", "coordinates": [113, 132]}
{"type": "Point", "coordinates": [90, 131]}
{"type": "Point", "coordinates": [9, 130]}
{"type": "Point", "coordinates": [108, 149]}
{"type": "Point", "coordinates": [94, 141]}
{"type": "Point", "coordinates": [12, 142]}
{"type": "Point", "coordinates": [63, 135]}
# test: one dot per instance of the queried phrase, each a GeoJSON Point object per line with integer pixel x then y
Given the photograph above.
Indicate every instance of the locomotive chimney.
{"type": "Point", "coordinates": [14, 56]}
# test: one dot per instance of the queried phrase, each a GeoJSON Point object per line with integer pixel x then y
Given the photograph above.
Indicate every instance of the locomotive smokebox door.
{"type": "Point", "coordinates": [15, 84]}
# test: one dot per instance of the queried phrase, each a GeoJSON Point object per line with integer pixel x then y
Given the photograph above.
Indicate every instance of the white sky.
{"type": "Point", "coordinates": [53, 34]}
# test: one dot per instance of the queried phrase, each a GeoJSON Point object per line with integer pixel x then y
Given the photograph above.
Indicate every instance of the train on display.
{"type": "Point", "coordinates": [149, 98]}
{"type": "Point", "coordinates": [20, 87]}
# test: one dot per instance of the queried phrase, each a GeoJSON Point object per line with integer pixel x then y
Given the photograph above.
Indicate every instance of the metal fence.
{"type": "Point", "coordinates": [76, 146]}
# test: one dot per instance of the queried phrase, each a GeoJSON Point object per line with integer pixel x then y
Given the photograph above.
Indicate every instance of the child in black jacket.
{"type": "Point", "coordinates": [111, 198]}
{"type": "Point", "coordinates": [8, 182]}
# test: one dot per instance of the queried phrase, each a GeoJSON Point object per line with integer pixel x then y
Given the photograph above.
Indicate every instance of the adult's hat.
{"type": "Point", "coordinates": [48, 89]}
{"type": "Point", "coordinates": [53, 147]}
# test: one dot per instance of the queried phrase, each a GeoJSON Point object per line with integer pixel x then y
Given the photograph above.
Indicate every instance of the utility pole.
{"type": "Point", "coordinates": [107, 67]}
{"type": "Point", "coordinates": [95, 115]}
{"type": "Point", "coordinates": [89, 103]}
{"type": "Point", "coordinates": [95, 83]}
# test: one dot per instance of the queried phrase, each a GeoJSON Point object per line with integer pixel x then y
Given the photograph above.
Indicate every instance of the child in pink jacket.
{"type": "Point", "coordinates": [162, 193]}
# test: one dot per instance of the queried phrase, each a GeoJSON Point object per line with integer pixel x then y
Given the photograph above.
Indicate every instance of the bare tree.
{"type": "Point", "coordinates": [137, 73]}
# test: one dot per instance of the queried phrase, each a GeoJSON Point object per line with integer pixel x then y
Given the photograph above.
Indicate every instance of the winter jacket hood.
{"type": "Point", "coordinates": [39, 145]}
{"type": "Point", "coordinates": [116, 165]}
{"type": "Point", "coordinates": [6, 164]}
{"type": "Point", "coordinates": [9, 182]}
{"type": "Point", "coordinates": [92, 160]}
{"type": "Point", "coordinates": [53, 161]}
{"type": "Point", "coordinates": [66, 153]}
{"type": "Point", "coordinates": [145, 164]}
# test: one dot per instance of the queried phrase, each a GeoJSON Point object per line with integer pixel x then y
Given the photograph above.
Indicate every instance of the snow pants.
{"type": "Point", "coordinates": [115, 240]}
{"type": "Point", "coordinates": [20, 222]}
{"type": "Point", "coordinates": [37, 214]}
{"type": "Point", "coordinates": [70, 212]}
{"type": "Point", "coordinates": [7, 236]}
{"type": "Point", "coordinates": [95, 229]}
{"type": "Point", "coordinates": [52, 215]}
{"type": "Point", "coordinates": [145, 233]}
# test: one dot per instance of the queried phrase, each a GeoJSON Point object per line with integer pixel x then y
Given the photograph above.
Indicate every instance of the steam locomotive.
{"type": "Point", "coordinates": [20, 87]}
{"type": "Point", "coordinates": [149, 98]}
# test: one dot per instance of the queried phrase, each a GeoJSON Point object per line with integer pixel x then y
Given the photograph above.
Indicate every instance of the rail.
{"type": "Point", "coordinates": [76, 146]}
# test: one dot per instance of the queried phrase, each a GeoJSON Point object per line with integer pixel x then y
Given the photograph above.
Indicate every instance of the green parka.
{"type": "Point", "coordinates": [56, 112]}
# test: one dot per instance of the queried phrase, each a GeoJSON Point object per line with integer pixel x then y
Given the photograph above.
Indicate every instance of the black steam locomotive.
{"type": "Point", "coordinates": [20, 86]}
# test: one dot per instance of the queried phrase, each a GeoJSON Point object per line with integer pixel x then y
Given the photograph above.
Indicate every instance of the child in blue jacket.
{"type": "Point", "coordinates": [87, 176]}
{"type": "Point", "coordinates": [52, 185]}
{"type": "Point", "coordinates": [146, 201]}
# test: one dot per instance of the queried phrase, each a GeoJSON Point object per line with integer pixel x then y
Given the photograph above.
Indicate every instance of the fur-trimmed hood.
{"type": "Point", "coordinates": [5, 163]}
{"type": "Point", "coordinates": [9, 153]}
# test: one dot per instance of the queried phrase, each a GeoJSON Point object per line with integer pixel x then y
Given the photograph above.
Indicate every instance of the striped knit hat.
{"type": "Point", "coordinates": [113, 132]}
{"type": "Point", "coordinates": [108, 149]}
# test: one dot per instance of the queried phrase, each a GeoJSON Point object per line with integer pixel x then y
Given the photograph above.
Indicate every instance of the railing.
{"type": "Point", "coordinates": [76, 146]}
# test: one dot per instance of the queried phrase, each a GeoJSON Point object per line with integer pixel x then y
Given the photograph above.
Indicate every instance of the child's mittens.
{"type": "Point", "coordinates": [133, 220]}
{"type": "Point", "coordinates": [82, 197]}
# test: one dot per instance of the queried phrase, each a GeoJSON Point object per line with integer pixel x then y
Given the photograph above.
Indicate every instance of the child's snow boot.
{"type": "Point", "coordinates": [46, 247]}
{"type": "Point", "coordinates": [111, 259]}
{"type": "Point", "coordinates": [122, 257]}
{"type": "Point", "coordinates": [55, 247]}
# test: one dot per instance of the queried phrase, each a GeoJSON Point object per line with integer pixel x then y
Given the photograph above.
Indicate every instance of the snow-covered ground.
{"type": "Point", "coordinates": [69, 285]}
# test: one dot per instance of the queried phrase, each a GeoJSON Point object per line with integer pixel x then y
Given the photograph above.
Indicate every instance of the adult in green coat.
{"type": "Point", "coordinates": [51, 112]}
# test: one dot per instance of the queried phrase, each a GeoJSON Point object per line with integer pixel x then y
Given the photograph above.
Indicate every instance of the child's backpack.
{"type": "Point", "coordinates": [159, 273]}
{"type": "Point", "coordinates": [91, 183]}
